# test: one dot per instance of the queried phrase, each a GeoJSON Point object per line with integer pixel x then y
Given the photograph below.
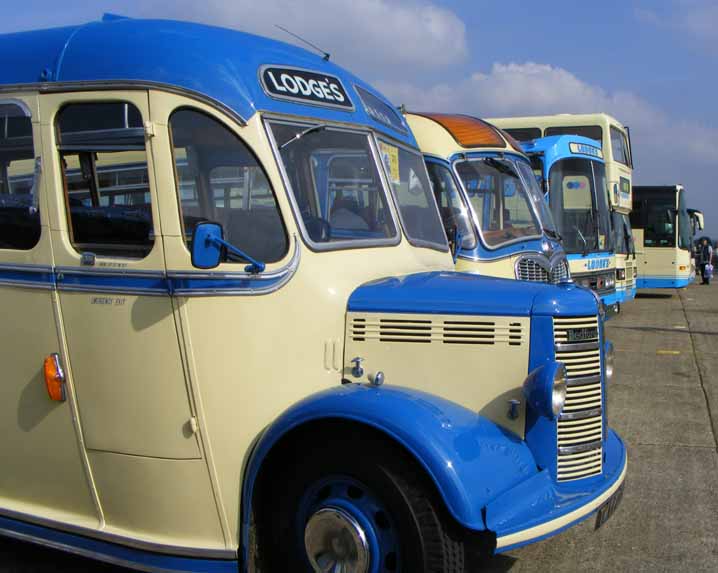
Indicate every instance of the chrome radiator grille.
{"type": "Point", "coordinates": [580, 424]}
{"type": "Point", "coordinates": [530, 269]}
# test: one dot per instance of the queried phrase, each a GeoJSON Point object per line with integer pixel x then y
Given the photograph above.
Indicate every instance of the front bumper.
{"type": "Point", "coordinates": [539, 507]}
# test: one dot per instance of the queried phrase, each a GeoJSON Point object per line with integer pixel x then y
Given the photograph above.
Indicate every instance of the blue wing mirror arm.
{"type": "Point", "coordinates": [207, 248]}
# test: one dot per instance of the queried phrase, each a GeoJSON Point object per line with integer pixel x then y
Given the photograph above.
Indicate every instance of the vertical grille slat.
{"type": "Point", "coordinates": [580, 425]}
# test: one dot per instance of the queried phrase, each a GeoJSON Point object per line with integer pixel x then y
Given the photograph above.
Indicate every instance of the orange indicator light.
{"type": "Point", "coordinates": [54, 378]}
{"type": "Point", "coordinates": [683, 267]}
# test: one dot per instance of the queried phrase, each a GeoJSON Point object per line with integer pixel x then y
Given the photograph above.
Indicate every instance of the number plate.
{"type": "Point", "coordinates": [582, 334]}
{"type": "Point", "coordinates": [609, 507]}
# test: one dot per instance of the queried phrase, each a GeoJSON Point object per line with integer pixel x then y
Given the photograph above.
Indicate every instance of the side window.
{"type": "Point", "coordinates": [104, 168]}
{"type": "Point", "coordinates": [19, 212]}
{"type": "Point", "coordinates": [619, 146]}
{"type": "Point", "coordinates": [219, 179]}
{"type": "Point", "coordinates": [452, 206]}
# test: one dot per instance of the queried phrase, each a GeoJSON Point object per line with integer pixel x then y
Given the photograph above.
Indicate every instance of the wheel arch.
{"type": "Point", "coordinates": [453, 445]}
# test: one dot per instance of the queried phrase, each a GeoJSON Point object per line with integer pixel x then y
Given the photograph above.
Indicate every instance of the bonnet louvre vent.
{"type": "Point", "coordinates": [437, 331]}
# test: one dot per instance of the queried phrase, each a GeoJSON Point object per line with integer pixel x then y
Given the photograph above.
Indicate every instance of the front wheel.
{"type": "Point", "coordinates": [355, 507]}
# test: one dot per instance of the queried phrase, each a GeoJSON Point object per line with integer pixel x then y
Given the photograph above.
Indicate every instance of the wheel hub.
{"type": "Point", "coordinates": [336, 543]}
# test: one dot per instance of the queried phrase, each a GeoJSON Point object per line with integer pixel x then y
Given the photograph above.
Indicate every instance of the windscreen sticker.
{"type": "Point", "coordinates": [305, 86]}
{"type": "Point", "coordinates": [576, 192]}
{"type": "Point", "coordinates": [390, 157]}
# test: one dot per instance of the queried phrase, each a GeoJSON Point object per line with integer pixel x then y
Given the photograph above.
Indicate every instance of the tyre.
{"type": "Point", "coordinates": [354, 505]}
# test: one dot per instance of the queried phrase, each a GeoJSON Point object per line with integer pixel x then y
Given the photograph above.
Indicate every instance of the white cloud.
{"type": "Point", "coordinates": [362, 35]}
{"type": "Point", "coordinates": [666, 150]}
{"type": "Point", "coordinates": [693, 20]}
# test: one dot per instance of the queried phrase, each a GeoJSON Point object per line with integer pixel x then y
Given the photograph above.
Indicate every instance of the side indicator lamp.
{"type": "Point", "coordinates": [54, 378]}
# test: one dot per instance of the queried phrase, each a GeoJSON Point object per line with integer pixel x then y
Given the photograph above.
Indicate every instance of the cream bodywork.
{"type": "Point", "coordinates": [483, 377]}
{"type": "Point", "coordinates": [166, 396]}
{"type": "Point", "coordinates": [662, 262]}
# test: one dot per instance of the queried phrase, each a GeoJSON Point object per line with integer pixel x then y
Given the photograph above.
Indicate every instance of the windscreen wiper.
{"type": "Point", "coordinates": [298, 136]}
{"type": "Point", "coordinates": [501, 166]}
{"type": "Point", "coordinates": [553, 234]}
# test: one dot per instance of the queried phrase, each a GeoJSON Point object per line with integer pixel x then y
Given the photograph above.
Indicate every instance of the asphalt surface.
{"type": "Point", "coordinates": [663, 402]}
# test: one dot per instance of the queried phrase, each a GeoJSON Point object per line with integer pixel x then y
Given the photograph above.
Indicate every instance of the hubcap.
{"type": "Point", "coordinates": [336, 543]}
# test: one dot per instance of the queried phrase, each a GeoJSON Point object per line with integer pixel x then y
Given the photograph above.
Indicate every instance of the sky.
{"type": "Point", "coordinates": [650, 63]}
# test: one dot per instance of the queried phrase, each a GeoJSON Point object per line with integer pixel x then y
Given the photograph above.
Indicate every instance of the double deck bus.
{"type": "Point", "coordinates": [618, 156]}
{"type": "Point", "coordinates": [573, 175]}
{"type": "Point", "coordinates": [663, 234]}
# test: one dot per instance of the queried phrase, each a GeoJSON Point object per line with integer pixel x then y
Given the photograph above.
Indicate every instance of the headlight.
{"type": "Point", "coordinates": [621, 274]}
{"type": "Point", "coordinates": [609, 281]}
{"type": "Point", "coordinates": [545, 389]}
{"type": "Point", "coordinates": [609, 359]}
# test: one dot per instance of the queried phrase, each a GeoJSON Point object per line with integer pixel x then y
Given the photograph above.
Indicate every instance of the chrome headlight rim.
{"type": "Point", "coordinates": [545, 389]}
{"type": "Point", "coordinates": [559, 389]}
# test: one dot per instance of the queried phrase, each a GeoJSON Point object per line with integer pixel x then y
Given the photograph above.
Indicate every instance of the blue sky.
{"type": "Point", "coordinates": [652, 63]}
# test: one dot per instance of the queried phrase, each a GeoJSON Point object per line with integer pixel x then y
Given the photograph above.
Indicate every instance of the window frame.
{"type": "Point", "coordinates": [60, 154]}
{"type": "Point", "coordinates": [268, 120]}
{"type": "Point", "coordinates": [250, 150]}
{"type": "Point", "coordinates": [511, 157]}
{"type": "Point", "coordinates": [412, 241]}
{"type": "Point", "coordinates": [626, 147]}
{"type": "Point", "coordinates": [37, 172]}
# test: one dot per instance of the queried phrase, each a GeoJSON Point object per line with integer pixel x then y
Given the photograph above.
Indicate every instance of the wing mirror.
{"type": "Point", "coordinates": [209, 248]}
{"type": "Point", "coordinates": [206, 250]}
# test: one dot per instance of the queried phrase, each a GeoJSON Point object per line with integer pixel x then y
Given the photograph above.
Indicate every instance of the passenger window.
{"type": "Point", "coordinates": [220, 180]}
{"type": "Point", "coordinates": [19, 206]}
{"type": "Point", "coordinates": [619, 146]}
{"type": "Point", "coordinates": [104, 167]}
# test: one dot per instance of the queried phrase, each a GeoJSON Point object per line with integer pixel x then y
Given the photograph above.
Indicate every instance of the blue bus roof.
{"type": "Point", "coordinates": [557, 147]}
{"type": "Point", "coordinates": [221, 64]}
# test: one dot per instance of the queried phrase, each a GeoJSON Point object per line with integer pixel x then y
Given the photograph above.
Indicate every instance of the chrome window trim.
{"type": "Point", "coordinates": [394, 240]}
{"type": "Point", "coordinates": [512, 157]}
{"type": "Point", "coordinates": [412, 241]}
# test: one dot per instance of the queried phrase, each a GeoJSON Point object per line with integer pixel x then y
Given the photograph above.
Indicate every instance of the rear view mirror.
{"type": "Point", "coordinates": [206, 249]}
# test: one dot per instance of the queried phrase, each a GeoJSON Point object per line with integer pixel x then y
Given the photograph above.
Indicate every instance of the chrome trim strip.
{"type": "Point", "coordinates": [138, 544]}
{"type": "Point", "coordinates": [580, 448]}
{"type": "Point", "coordinates": [112, 271]}
{"type": "Point", "coordinates": [105, 85]}
{"type": "Point", "coordinates": [280, 278]}
{"type": "Point", "coordinates": [584, 380]}
{"type": "Point", "coordinates": [576, 346]}
{"type": "Point", "coordinates": [26, 284]}
{"type": "Point", "coordinates": [112, 290]}
{"type": "Point", "coordinates": [29, 268]}
{"type": "Point", "coordinates": [581, 415]}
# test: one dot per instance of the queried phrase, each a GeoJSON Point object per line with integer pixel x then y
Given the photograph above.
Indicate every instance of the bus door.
{"type": "Point", "coordinates": [46, 474]}
{"type": "Point", "coordinates": [117, 315]}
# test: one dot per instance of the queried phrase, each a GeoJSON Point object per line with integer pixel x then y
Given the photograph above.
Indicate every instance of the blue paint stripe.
{"type": "Point", "coordinates": [662, 282]}
{"type": "Point", "coordinates": [111, 552]}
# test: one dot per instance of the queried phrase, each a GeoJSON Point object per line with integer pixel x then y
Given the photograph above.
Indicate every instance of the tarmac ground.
{"type": "Point", "coordinates": [664, 404]}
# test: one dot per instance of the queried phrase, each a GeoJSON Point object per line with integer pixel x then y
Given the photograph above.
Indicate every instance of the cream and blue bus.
{"type": "Point", "coordinates": [233, 337]}
{"type": "Point", "coordinates": [490, 203]}
{"type": "Point", "coordinates": [573, 176]}
{"type": "Point", "coordinates": [618, 156]}
{"type": "Point", "coordinates": [663, 233]}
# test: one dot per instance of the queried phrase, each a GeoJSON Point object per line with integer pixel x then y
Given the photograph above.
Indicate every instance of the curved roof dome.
{"type": "Point", "coordinates": [219, 63]}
